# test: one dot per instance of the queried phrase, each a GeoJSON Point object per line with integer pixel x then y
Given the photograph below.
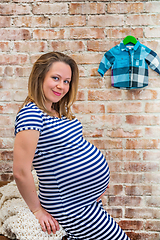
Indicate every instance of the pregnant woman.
{"type": "Point", "coordinates": [73, 174]}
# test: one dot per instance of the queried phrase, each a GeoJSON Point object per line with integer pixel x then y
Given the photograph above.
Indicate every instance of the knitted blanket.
{"type": "Point", "coordinates": [16, 219]}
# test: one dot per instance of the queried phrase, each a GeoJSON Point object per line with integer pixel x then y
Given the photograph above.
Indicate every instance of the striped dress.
{"type": "Point", "coordinates": [72, 174]}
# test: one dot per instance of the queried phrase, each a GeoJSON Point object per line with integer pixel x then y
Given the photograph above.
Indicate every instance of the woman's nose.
{"type": "Point", "coordinates": [60, 84]}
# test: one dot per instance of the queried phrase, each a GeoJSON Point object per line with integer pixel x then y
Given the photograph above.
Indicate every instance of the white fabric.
{"type": "Point", "coordinates": [16, 219]}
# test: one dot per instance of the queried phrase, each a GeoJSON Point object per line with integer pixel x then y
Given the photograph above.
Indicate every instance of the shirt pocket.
{"type": "Point", "coordinates": [122, 62]}
{"type": "Point", "coordinates": [137, 62]}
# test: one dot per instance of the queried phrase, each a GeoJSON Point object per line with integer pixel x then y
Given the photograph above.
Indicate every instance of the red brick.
{"type": "Point", "coordinates": [15, 34]}
{"type": "Point", "coordinates": [104, 95]}
{"type": "Point", "coordinates": [126, 178]}
{"type": "Point", "coordinates": [115, 166]}
{"type": "Point", "coordinates": [141, 167]}
{"type": "Point", "coordinates": [106, 20]}
{"type": "Point", "coordinates": [143, 236]}
{"type": "Point", "coordinates": [100, 45]}
{"type": "Point", "coordinates": [152, 107]}
{"type": "Point", "coordinates": [12, 9]}
{"type": "Point", "coordinates": [7, 132]}
{"type": "Point", "coordinates": [87, 33]}
{"type": "Point", "coordinates": [93, 71]}
{"type": "Point", "coordinates": [125, 7]}
{"type": "Point", "coordinates": [12, 83]}
{"type": "Point", "coordinates": [142, 119]}
{"type": "Point", "coordinates": [124, 155]}
{"type": "Point", "coordinates": [123, 32]}
{"type": "Point", "coordinates": [152, 132]}
{"type": "Point", "coordinates": [152, 6]}
{"type": "Point", "coordinates": [9, 108]}
{"type": "Point", "coordinates": [106, 144]}
{"type": "Point", "coordinates": [49, 34]}
{"type": "Point", "coordinates": [142, 213]}
{"type": "Point", "coordinates": [152, 44]}
{"type": "Point", "coordinates": [141, 144]}
{"type": "Point", "coordinates": [152, 32]}
{"type": "Point", "coordinates": [6, 176]}
{"type": "Point", "coordinates": [87, 58]}
{"type": "Point", "coordinates": [124, 133]}
{"type": "Point", "coordinates": [27, 1]}
{"type": "Point", "coordinates": [30, 46]}
{"type": "Point", "coordinates": [93, 133]}
{"type": "Point", "coordinates": [47, 8]}
{"type": "Point", "coordinates": [9, 71]}
{"type": "Point", "coordinates": [125, 201]}
{"type": "Point", "coordinates": [13, 59]}
{"type": "Point", "coordinates": [5, 96]}
{"type": "Point", "coordinates": [120, 107]}
{"type": "Point", "coordinates": [34, 57]}
{"type": "Point", "coordinates": [152, 225]}
{"type": "Point", "coordinates": [6, 143]}
{"type": "Point", "coordinates": [114, 190]}
{"type": "Point", "coordinates": [150, 155]}
{"type": "Point", "coordinates": [87, 8]}
{"type": "Point", "coordinates": [110, 120]}
{"type": "Point", "coordinates": [143, 20]}
{"type": "Point", "coordinates": [23, 71]}
{"type": "Point", "coordinates": [59, 21]}
{"type": "Point", "coordinates": [141, 94]}
{"type": "Point", "coordinates": [114, 212]}
{"type": "Point", "coordinates": [152, 177]}
{"type": "Point", "coordinates": [4, 46]}
{"type": "Point", "coordinates": [5, 22]}
{"type": "Point", "coordinates": [31, 21]}
{"type": "Point", "coordinates": [20, 95]}
{"type": "Point", "coordinates": [153, 201]}
{"type": "Point", "coordinates": [81, 95]}
{"type": "Point", "coordinates": [7, 155]}
{"type": "Point", "coordinates": [5, 167]}
{"type": "Point", "coordinates": [82, 71]}
{"type": "Point", "coordinates": [80, 107]}
{"type": "Point", "coordinates": [89, 83]}
{"type": "Point", "coordinates": [139, 190]}
{"type": "Point", "coordinates": [5, 120]}
{"type": "Point", "coordinates": [73, 46]}
{"type": "Point", "coordinates": [131, 224]}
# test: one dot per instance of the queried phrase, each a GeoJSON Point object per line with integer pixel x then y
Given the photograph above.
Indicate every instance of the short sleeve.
{"type": "Point", "coordinates": [29, 119]}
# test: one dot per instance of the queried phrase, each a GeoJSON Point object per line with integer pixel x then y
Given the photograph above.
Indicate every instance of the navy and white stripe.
{"type": "Point", "coordinates": [72, 175]}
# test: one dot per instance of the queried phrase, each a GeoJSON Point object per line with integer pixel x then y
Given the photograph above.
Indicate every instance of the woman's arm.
{"type": "Point", "coordinates": [24, 150]}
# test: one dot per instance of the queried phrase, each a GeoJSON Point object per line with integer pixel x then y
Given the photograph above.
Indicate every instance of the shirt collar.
{"type": "Point", "coordinates": [124, 48]}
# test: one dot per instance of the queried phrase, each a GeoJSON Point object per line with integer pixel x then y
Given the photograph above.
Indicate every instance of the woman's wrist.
{"type": "Point", "coordinates": [35, 211]}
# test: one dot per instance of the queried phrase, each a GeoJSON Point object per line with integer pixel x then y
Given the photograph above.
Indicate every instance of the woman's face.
{"type": "Point", "coordinates": [56, 83]}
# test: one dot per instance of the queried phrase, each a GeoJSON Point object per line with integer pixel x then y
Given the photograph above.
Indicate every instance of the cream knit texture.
{"type": "Point", "coordinates": [16, 219]}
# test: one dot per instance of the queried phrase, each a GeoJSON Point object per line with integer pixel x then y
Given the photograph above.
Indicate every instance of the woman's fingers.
{"type": "Point", "coordinates": [56, 223]}
{"type": "Point", "coordinates": [42, 225]}
{"type": "Point", "coordinates": [46, 221]}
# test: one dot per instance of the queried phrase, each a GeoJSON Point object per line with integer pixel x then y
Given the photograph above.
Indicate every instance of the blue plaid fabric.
{"type": "Point", "coordinates": [129, 64]}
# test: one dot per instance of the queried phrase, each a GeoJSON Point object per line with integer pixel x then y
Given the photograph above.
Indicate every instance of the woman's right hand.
{"type": "Point", "coordinates": [46, 221]}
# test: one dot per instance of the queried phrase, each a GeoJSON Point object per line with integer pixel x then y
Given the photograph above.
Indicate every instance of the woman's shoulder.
{"type": "Point", "coordinates": [30, 108]}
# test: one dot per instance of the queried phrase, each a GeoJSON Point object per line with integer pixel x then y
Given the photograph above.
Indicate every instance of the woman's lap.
{"type": "Point", "coordinates": [93, 223]}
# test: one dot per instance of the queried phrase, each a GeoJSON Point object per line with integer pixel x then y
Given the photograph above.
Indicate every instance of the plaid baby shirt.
{"type": "Point", "coordinates": [129, 65]}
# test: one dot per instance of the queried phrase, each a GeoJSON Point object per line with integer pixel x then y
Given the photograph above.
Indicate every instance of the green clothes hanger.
{"type": "Point", "coordinates": [129, 39]}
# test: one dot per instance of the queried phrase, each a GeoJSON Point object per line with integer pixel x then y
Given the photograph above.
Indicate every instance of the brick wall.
{"type": "Point", "coordinates": [124, 124]}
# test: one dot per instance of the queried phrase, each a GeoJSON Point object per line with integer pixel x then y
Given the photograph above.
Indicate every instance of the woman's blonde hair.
{"type": "Point", "coordinates": [36, 79]}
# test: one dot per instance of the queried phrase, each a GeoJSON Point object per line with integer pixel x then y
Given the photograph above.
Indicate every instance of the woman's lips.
{"type": "Point", "coordinates": [57, 93]}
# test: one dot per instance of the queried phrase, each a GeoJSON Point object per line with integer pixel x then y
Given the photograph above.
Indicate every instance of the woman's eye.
{"type": "Point", "coordinates": [55, 78]}
{"type": "Point", "coordinates": [67, 82]}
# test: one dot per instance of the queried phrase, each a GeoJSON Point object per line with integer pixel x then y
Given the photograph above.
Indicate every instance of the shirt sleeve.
{"type": "Point", "coordinates": [153, 61]}
{"type": "Point", "coordinates": [28, 119]}
{"type": "Point", "coordinates": [106, 62]}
